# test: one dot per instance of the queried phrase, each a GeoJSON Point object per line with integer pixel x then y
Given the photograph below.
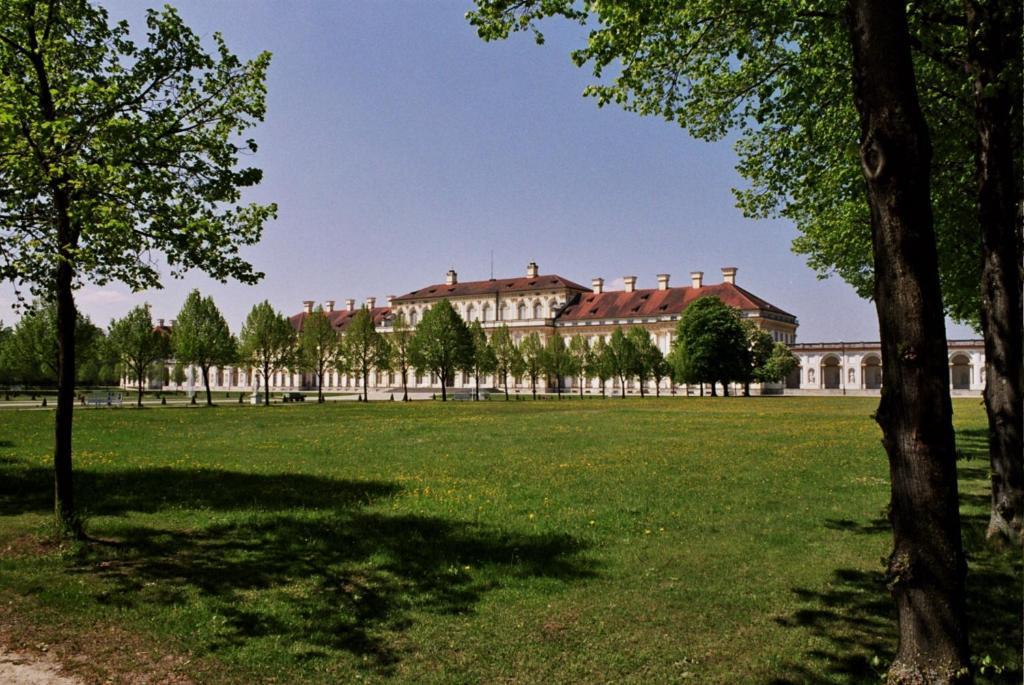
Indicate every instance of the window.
{"type": "Point", "coordinates": [485, 313]}
{"type": "Point", "coordinates": [503, 312]}
{"type": "Point", "coordinates": [470, 312]}
{"type": "Point", "coordinates": [413, 318]}
{"type": "Point", "coordinates": [537, 310]}
{"type": "Point", "coordinates": [522, 311]}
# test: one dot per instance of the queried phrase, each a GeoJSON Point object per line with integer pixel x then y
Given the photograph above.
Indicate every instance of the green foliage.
{"type": "Point", "coordinates": [531, 351]}
{"type": "Point", "coordinates": [646, 358]}
{"type": "Point", "coordinates": [114, 151]}
{"type": "Point", "coordinates": [178, 376]}
{"type": "Point", "coordinates": [363, 349]}
{"type": "Point", "coordinates": [778, 76]}
{"type": "Point", "coordinates": [556, 360]}
{"type": "Point", "coordinates": [759, 350]}
{"type": "Point", "coordinates": [484, 360]}
{"type": "Point", "coordinates": [319, 346]}
{"type": "Point", "coordinates": [622, 358]}
{"type": "Point", "coordinates": [780, 363]}
{"type": "Point", "coordinates": [400, 342]}
{"type": "Point", "coordinates": [201, 337]}
{"type": "Point", "coordinates": [507, 360]}
{"type": "Point", "coordinates": [711, 344]}
{"type": "Point", "coordinates": [600, 364]}
{"type": "Point", "coordinates": [580, 358]}
{"type": "Point", "coordinates": [266, 343]}
{"type": "Point", "coordinates": [139, 345]}
{"type": "Point", "coordinates": [442, 344]}
{"type": "Point", "coordinates": [30, 354]}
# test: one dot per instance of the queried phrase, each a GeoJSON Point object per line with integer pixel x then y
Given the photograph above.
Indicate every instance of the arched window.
{"type": "Point", "coordinates": [871, 373]}
{"type": "Point", "coordinates": [831, 373]}
{"type": "Point", "coordinates": [522, 311]}
{"type": "Point", "coordinates": [551, 309]}
{"type": "Point", "coordinates": [413, 317]}
{"type": "Point", "coordinates": [485, 312]}
{"type": "Point", "coordinates": [503, 312]}
{"type": "Point", "coordinates": [537, 310]}
{"type": "Point", "coordinates": [470, 312]}
{"type": "Point", "coordinates": [960, 372]}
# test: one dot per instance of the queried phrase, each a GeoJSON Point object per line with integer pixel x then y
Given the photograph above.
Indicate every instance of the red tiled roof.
{"type": "Point", "coordinates": [499, 285]}
{"type": "Point", "coordinates": [620, 304]}
{"type": "Point", "coordinates": [340, 318]}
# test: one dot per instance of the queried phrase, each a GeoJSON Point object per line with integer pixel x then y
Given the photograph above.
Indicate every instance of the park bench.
{"type": "Point", "coordinates": [104, 399]}
{"type": "Point", "coordinates": [293, 397]}
{"type": "Point", "coordinates": [462, 394]}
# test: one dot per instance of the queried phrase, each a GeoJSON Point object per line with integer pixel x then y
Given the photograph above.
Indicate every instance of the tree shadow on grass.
{"type": "Point", "coordinates": [116, 492]}
{"type": "Point", "coordinates": [855, 619]}
{"type": "Point", "coordinates": [296, 564]}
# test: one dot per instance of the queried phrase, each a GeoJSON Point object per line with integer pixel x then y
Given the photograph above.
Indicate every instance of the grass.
{"type": "Point", "coordinates": [673, 540]}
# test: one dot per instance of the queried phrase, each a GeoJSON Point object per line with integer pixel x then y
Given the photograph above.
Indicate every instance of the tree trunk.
{"type": "Point", "coordinates": [142, 382]}
{"type": "Point", "coordinates": [405, 385]}
{"type": "Point", "coordinates": [746, 388]}
{"type": "Point", "coordinates": [476, 392]}
{"type": "Point", "coordinates": [533, 386]}
{"type": "Point", "coordinates": [558, 380]}
{"type": "Point", "coordinates": [504, 378]}
{"type": "Point", "coordinates": [602, 388]}
{"type": "Point", "coordinates": [206, 384]}
{"type": "Point", "coordinates": [266, 385]}
{"type": "Point", "coordinates": [320, 386]}
{"type": "Point", "coordinates": [714, 390]}
{"type": "Point", "coordinates": [64, 501]}
{"type": "Point", "coordinates": [725, 388]}
{"type": "Point", "coordinates": [993, 53]}
{"type": "Point", "coordinates": [444, 387]}
{"type": "Point", "coordinates": [366, 383]}
{"type": "Point", "coordinates": [926, 568]}
{"type": "Point", "coordinates": [582, 380]}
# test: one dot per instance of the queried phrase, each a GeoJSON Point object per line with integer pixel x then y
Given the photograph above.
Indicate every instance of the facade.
{"type": "Point", "coordinates": [856, 367]}
{"type": "Point", "coordinates": [547, 304]}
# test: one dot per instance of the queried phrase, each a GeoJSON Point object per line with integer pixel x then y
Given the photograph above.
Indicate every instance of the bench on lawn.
{"type": "Point", "coordinates": [104, 399]}
{"type": "Point", "coordinates": [293, 397]}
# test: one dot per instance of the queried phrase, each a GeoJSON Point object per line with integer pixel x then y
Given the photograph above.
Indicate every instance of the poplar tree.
{"type": "Point", "coordinates": [139, 345]}
{"type": "Point", "coordinates": [600, 364]}
{"type": "Point", "coordinates": [399, 342]}
{"type": "Point", "coordinates": [557, 361]}
{"type": "Point", "coordinates": [621, 355]}
{"type": "Point", "coordinates": [363, 348]}
{"type": "Point", "coordinates": [580, 355]}
{"type": "Point", "coordinates": [506, 355]}
{"type": "Point", "coordinates": [319, 347]}
{"type": "Point", "coordinates": [115, 152]}
{"type": "Point", "coordinates": [647, 355]}
{"type": "Point", "coordinates": [441, 344]}
{"type": "Point", "coordinates": [266, 344]}
{"type": "Point", "coordinates": [484, 360]}
{"type": "Point", "coordinates": [531, 351]}
{"type": "Point", "coordinates": [201, 338]}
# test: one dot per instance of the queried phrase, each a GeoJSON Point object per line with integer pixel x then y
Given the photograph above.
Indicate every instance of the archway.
{"type": "Point", "coordinates": [793, 379]}
{"type": "Point", "coordinates": [831, 374]}
{"type": "Point", "coordinates": [872, 373]}
{"type": "Point", "coordinates": [960, 372]}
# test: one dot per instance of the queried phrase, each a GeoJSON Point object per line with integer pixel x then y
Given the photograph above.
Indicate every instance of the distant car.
{"type": "Point", "coordinates": [293, 397]}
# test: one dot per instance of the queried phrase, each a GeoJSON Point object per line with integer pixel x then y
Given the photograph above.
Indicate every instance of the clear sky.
{"type": "Point", "coordinates": [398, 145]}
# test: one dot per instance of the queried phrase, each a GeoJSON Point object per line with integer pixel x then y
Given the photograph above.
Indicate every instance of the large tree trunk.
{"type": "Point", "coordinates": [206, 384]}
{"type": "Point", "coordinates": [405, 386]}
{"type": "Point", "coordinates": [266, 385]}
{"type": "Point", "coordinates": [366, 383]}
{"type": "Point", "coordinates": [142, 382]}
{"type": "Point", "coordinates": [994, 47]}
{"type": "Point", "coordinates": [926, 568]}
{"type": "Point", "coordinates": [64, 500]}
{"type": "Point", "coordinates": [725, 388]}
{"type": "Point", "coordinates": [582, 381]}
{"type": "Point", "coordinates": [444, 387]}
{"type": "Point", "coordinates": [476, 392]}
{"type": "Point", "coordinates": [320, 386]}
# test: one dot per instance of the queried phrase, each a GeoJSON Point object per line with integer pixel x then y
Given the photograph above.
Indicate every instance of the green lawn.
{"type": "Point", "coordinates": [696, 540]}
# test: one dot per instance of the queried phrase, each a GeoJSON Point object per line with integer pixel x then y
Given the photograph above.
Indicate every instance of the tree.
{"type": "Point", "coordinates": [201, 338]}
{"type": "Point", "coordinates": [646, 358]}
{"type": "Point", "coordinates": [712, 344]}
{"type": "Point", "coordinates": [6, 370]}
{"type": "Point", "coordinates": [600, 366]}
{"type": "Point", "coordinates": [319, 347]}
{"type": "Point", "coordinates": [581, 357]}
{"type": "Point", "coordinates": [662, 370]}
{"type": "Point", "coordinates": [484, 361]}
{"type": "Point", "coordinates": [759, 350]}
{"type": "Point", "coordinates": [622, 358]}
{"type": "Point", "coordinates": [363, 349]}
{"type": "Point", "coordinates": [139, 344]}
{"type": "Point", "coordinates": [399, 343]}
{"type": "Point", "coordinates": [556, 361]}
{"type": "Point", "coordinates": [531, 351]}
{"type": "Point", "coordinates": [779, 364]}
{"type": "Point", "coordinates": [506, 355]}
{"type": "Point", "coordinates": [441, 344]}
{"type": "Point", "coordinates": [266, 344]}
{"type": "Point", "coordinates": [33, 351]}
{"type": "Point", "coordinates": [178, 375]}
{"type": "Point", "coordinates": [113, 153]}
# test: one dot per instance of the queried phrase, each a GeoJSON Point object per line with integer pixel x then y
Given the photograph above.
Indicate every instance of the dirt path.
{"type": "Point", "coordinates": [22, 669]}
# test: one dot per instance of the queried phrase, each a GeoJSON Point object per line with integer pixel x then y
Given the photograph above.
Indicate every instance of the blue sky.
{"type": "Point", "coordinates": [398, 145]}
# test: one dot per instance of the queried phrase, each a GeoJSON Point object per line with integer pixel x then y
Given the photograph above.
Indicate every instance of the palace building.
{"type": "Point", "coordinates": [548, 304]}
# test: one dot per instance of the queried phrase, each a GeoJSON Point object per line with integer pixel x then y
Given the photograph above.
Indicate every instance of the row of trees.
{"type": "Point", "coordinates": [712, 346]}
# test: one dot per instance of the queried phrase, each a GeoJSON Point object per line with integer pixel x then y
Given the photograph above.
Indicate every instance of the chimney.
{"type": "Point", "coordinates": [451, 278]}
{"type": "Point", "coordinates": [171, 323]}
{"type": "Point", "coordinates": [371, 302]}
{"type": "Point", "coordinates": [597, 284]}
{"type": "Point", "coordinates": [630, 283]}
{"type": "Point", "coordinates": [696, 278]}
{"type": "Point", "coordinates": [329, 305]}
{"type": "Point", "coordinates": [160, 323]}
{"type": "Point", "coordinates": [350, 305]}
{"type": "Point", "coordinates": [729, 275]}
{"type": "Point", "coordinates": [391, 300]}
{"type": "Point", "coordinates": [307, 306]}
{"type": "Point", "coordinates": [662, 281]}
{"type": "Point", "coordinates": [531, 270]}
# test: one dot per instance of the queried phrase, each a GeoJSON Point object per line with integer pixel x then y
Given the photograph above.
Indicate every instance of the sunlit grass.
{"type": "Point", "coordinates": [720, 541]}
